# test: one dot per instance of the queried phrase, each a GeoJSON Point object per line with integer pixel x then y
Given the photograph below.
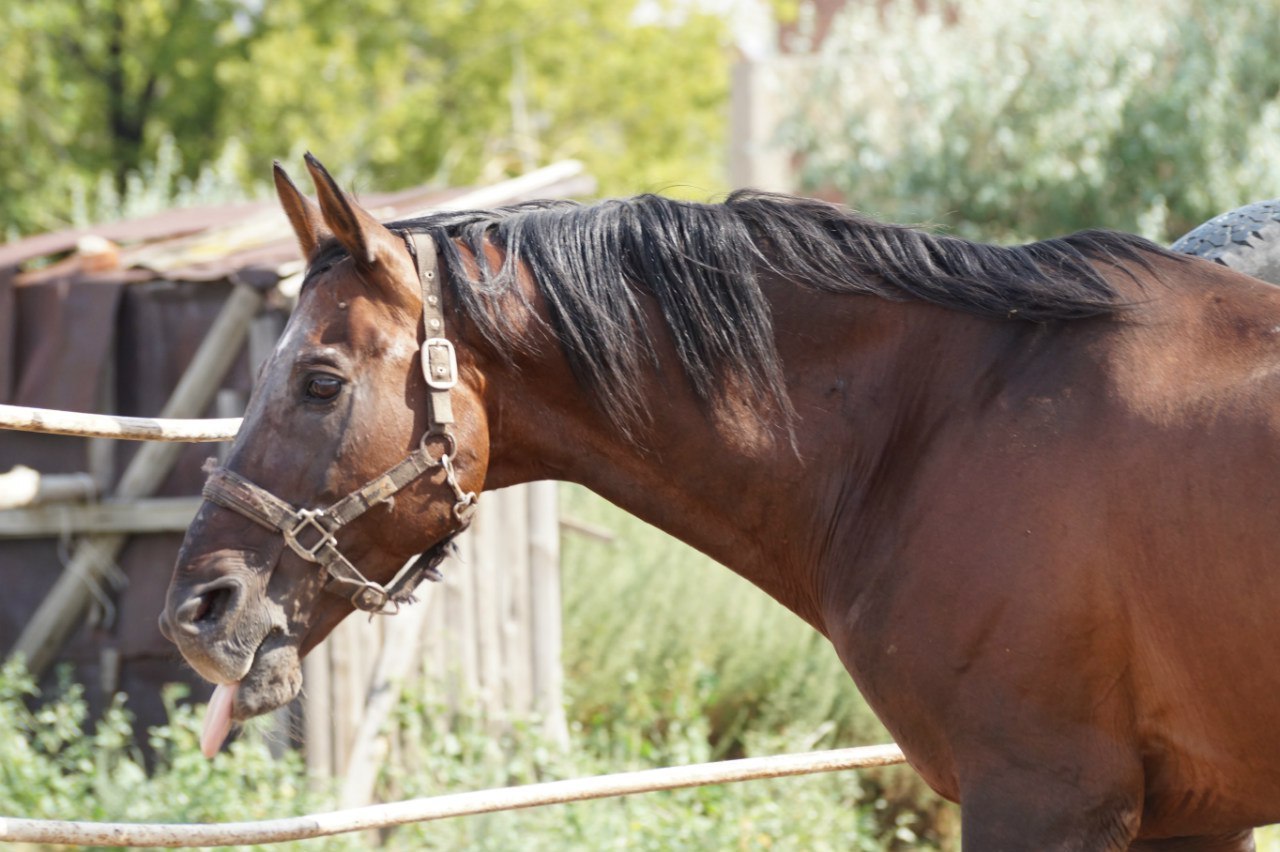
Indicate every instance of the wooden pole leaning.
{"type": "Point", "coordinates": [443, 807]}
{"type": "Point", "coordinates": [58, 614]}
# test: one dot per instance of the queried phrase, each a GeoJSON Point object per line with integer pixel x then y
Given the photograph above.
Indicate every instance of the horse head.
{"type": "Point", "coordinates": [361, 444]}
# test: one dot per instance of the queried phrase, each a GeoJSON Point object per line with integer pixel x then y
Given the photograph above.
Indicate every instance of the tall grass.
{"type": "Point", "coordinates": [654, 628]}
{"type": "Point", "coordinates": [829, 812]}
{"type": "Point", "coordinates": [659, 639]}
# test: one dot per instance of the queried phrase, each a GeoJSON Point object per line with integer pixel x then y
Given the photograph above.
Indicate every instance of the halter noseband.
{"type": "Point", "coordinates": [311, 533]}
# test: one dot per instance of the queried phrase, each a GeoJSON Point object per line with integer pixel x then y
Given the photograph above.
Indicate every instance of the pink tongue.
{"type": "Point", "coordinates": [217, 718]}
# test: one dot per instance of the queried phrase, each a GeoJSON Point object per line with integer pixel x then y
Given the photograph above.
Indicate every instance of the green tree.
{"type": "Point", "coordinates": [96, 86]}
{"type": "Point", "coordinates": [1011, 120]}
{"type": "Point", "coordinates": [392, 94]}
{"type": "Point", "coordinates": [467, 91]}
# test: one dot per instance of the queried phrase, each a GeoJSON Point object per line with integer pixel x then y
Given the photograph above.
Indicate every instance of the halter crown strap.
{"type": "Point", "coordinates": [439, 359]}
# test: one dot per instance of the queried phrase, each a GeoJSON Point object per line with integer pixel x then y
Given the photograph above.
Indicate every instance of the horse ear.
{"type": "Point", "coordinates": [359, 232]}
{"type": "Point", "coordinates": [304, 215]}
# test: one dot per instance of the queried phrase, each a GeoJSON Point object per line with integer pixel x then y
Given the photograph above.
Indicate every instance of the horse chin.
{"type": "Point", "coordinates": [273, 680]}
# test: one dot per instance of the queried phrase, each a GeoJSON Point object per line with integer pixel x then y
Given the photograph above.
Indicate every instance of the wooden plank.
{"type": "Point", "coordinates": [435, 658]}
{"type": "Point", "coordinates": [488, 639]}
{"type": "Point", "coordinates": [100, 453]}
{"type": "Point", "coordinates": [264, 333]}
{"type": "Point", "coordinates": [449, 657]}
{"type": "Point", "coordinates": [24, 486]}
{"type": "Point", "coordinates": [135, 517]}
{"type": "Point", "coordinates": [176, 429]}
{"type": "Point", "coordinates": [339, 695]}
{"type": "Point", "coordinates": [544, 585]}
{"type": "Point", "coordinates": [60, 612]}
{"type": "Point", "coordinates": [317, 715]}
{"type": "Point", "coordinates": [396, 661]}
{"type": "Point", "coordinates": [514, 594]}
{"type": "Point", "coordinates": [463, 626]}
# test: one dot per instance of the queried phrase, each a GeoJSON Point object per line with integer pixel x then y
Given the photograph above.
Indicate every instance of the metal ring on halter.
{"type": "Point", "coordinates": [451, 443]}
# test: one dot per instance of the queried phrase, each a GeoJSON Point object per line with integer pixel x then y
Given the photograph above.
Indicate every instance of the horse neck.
{"type": "Point", "coordinates": [750, 497]}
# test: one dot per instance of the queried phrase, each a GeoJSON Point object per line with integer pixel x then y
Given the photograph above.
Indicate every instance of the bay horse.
{"type": "Point", "coordinates": [1029, 493]}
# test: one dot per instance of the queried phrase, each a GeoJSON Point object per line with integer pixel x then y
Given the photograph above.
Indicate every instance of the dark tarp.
{"type": "Point", "coordinates": [73, 343]}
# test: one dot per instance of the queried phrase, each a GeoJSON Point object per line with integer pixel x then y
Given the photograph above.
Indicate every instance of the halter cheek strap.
{"type": "Point", "coordinates": [311, 533]}
{"type": "Point", "coordinates": [439, 360]}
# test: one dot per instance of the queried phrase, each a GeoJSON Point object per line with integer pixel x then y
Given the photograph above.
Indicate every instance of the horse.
{"type": "Point", "coordinates": [1027, 492]}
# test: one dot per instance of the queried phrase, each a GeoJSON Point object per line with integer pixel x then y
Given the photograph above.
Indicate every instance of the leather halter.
{"type": "Point", "coordinates": [319, 527]}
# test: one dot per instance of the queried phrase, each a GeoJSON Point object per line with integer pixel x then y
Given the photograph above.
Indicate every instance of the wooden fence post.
{"type": "Point", "coordinates": [544, 592]}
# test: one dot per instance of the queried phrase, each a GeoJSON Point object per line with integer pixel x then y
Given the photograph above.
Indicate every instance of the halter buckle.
{"type": "Point", "coordinates": [375, 600]}
{"type": "Point", "coordinates": [308, 518]}
{"type": "Point", "coordinates": [441, 360]}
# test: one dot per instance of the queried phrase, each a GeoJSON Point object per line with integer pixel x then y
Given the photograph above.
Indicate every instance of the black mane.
{"type": "Point", "coordinates": [702, 263]}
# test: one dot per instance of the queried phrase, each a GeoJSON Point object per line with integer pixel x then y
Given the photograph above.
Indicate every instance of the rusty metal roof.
{"type": "Point", "coordinates": [216, 242]}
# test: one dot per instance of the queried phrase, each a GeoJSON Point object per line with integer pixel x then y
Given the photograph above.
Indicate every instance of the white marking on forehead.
{"type": "Point", "coordinates": [287, 340]}
{"type": "Point", "coordinates": [295, 333]}
{"type": "Point", "coordinates": [400, 350]}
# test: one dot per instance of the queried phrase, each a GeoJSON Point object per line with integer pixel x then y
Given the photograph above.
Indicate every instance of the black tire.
{"type": "Point", "coordinates": [1246, 239]}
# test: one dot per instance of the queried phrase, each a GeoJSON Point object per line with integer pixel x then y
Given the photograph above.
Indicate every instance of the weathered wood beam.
{"type": "Point", "coordinates": [544, 589]}
{"type": "Point", "coordinates": [130, 517]}
{"type": "Point", "coordinates": [24, 486]}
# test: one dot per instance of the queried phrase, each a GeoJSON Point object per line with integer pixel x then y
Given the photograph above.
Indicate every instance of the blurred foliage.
{"type": "Point", "coordinates": [1024, 120]}
{"type": "Point", "coordinates": [663, 647]}
{"type": "Point", "coordinates": [848, 810]}
{"type": "Point", "coordinates": [652, 626]}
{"type": "Point", "coordinates": [455, 91]}
{"type": "Point", "coordinates": [54, 765]}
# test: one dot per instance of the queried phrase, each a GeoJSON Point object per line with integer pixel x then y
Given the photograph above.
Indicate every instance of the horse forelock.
{"type": "Point", "coordinates": [704, 265]}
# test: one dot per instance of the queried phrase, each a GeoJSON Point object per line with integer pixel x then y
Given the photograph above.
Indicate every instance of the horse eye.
{"type": "Point", "coordinates": [322, 387]}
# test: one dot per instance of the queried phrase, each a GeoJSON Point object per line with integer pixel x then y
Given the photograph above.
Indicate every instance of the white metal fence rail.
{"type": "Point", "coordinates": [443, 807]}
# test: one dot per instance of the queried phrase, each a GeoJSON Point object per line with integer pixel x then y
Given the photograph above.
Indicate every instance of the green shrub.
{"type": "Point", "coordinates": [55, 766]}
{"type": "Point", "coordinates": [652, 627]}
{"type": "Point", "coordinates": [1034, 118]}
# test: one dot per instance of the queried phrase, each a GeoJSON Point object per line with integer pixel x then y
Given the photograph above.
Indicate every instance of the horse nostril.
{"type": "Point", "coordinates": [205, 608]}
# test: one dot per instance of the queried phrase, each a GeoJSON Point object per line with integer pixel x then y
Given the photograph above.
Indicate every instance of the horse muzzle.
{"type": "Point", "coordinates": [219, 617]}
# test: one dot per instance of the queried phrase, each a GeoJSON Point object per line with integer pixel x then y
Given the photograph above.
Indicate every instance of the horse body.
{"type": "Point", "coordinates": [1042, 549]}
{"type": "Point", "coordinates": [1027, 543]}
{"type": "Point", "coordinates": [1056, 609]}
